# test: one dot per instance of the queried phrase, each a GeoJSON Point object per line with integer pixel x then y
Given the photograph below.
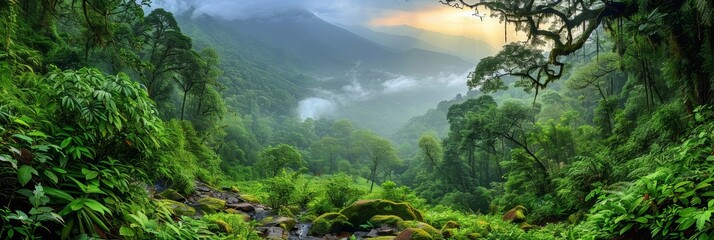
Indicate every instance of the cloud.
{"type": "Point", "coordinates": [315, 108]}
{"type": "Point", "coordinates": [349, 12]}
{"type": "Point", "coordinates": [399, 84]}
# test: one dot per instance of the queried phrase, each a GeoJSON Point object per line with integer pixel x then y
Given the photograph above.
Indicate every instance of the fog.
{"type": "Point", "coordinates": [401, 90]}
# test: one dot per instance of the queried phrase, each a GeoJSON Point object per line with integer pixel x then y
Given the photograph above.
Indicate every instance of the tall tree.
{"type": "Point", "coordinates": [379, 153]}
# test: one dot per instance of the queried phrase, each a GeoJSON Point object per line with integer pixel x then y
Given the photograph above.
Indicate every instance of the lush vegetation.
{"type": "Point", "coordinates": [111, 119]}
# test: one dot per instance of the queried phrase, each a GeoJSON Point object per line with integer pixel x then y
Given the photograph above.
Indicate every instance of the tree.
{"type": "Point", "coordinates": [564, 27]}
{"type": "Point", "coordinates": [163, 53]}
{"type": "Point", "coordinates": [273, 159]}
{"type": "Point", "coordinates": [379, 153]}
{"type": "Point", "coordinates": [328, 150]}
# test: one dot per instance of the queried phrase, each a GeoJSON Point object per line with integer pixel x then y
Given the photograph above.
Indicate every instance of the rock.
{"type": "Point", "coordinates": [210, 204]}
{"type": "Point", "coordinates": [179, 209]}
{"type": "Point", "coordinates": [515, 215]}
{"type": "Point", "coordinates": [385, 230]}
{"type": "Point", "coordinates": [203, 188]}
{"type": "Point", "coordinates": [223, 226]}
{"type": "Point", "coordinates": [450, 225]}
{"type": "Point", "coordinates": [250, 198]}
{"type": "Point", "coordinates": [285, 223]}
{"type": "Point", "coordinates": [274, 233]}
{"type": "Point", "coordinates": [382, 238]}
{"type": "Point", "coordinates": [244, 206]}
{"type": "Point", "coordinates": [245, 216]}
{"type": "Point", "coordinates": [172, 195]}
{"type": "Point", "coordinates": [389, 220]}
{"type": "Point", "coordinates": [447, 233]}
{"type": "Point", "coordinates": [433, 232]}
{"type": "Point", "coordinates": [474, 236]}
{"type": "Point", "coordinates": [373, 233]}
{"type": "Point", "coordinates": [328, 223]}
{"type": "Point", "coordinates": [232, 200]}
{"type": "Point", "coordinates": [234, 189]}
{"type": "Point", "coordinates": [414, 234]}
{"type": "Point", "coordinates": [360, 212]}
{"type": "Point", "coordinates": [525, 226]}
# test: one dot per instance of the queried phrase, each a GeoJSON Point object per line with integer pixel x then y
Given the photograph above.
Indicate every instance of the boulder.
{"type": "Point", "coordinates": [515, 215]}
{"type": "Point", "coordinates": [360, 212]}
{"type": "Point", "coordinates": [328, 223]}
{"type": "Point", "coordinates": [178, 209]}
{"type": "Point", "coordinates": [285, 223]}
{"type": "Point", "coordinates": [223, 226]}
{"type": "Point", "coordinates": [244, 206]}
{"type": "Point", "coordinates": [414, 234]}
{"type": "Point", "coordinates": [451, 225]}
{"type": "Point", "coordinates": [433, 232]}
{"type": "Point", "coordinates": [210, 204]}
{"type": "Point", "coordinates": [250, 198]}
{"type": "Point", "coordinates": [448, 229]}
{"type": "Point", "coordinates": [474, 236]}
{"type": "Point", "coordinates": [172, 195]}
{"type": "Point", "coordinates": [390, 220]}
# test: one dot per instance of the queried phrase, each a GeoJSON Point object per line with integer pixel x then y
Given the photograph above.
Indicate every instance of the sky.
{"type": "Point", "coordinates": [425, 14]}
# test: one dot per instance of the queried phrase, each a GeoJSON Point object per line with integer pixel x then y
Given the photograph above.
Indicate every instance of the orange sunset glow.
{"type": "Point", "coordinates": [452, 21]}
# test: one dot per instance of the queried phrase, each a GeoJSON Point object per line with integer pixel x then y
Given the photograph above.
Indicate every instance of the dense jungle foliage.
{"type": "Point", "coordinates": [115, 125]}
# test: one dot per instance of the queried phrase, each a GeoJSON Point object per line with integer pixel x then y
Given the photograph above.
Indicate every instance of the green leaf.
{"type": "Point", "coordinates": [626, 228]}
{"type": "Point", "coordinates": [23, 137]}
{"type": "Point", "coordinates": [36, 134]}
{"type": "Point", "coordinates": [7, 158]}
{"type": "Point", "coordinates": [21, 121]}
{"type": "Point", "coordinates": [702, 220]}
{"type": "Point", "coordinates": [51, 176]}
{"type": "Point", "coordinates": [24, 174]}
{"type": "Point", "coordinates": [641, 220]}
{"type": "Point", "coordinates": [89, 174]}
{"type": "Point", "coordinates": [66, 142]}
{"type": "Point", "coordinates": [127, 232]}
{"type": "Point", "coordinates": [58, 194]}
{"type": "Point", "coordinates": [96, 206]}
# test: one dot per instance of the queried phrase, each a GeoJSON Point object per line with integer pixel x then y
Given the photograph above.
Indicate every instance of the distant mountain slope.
{"type": "Point", "coordinates": [466, 48]}
{"type": "Point", "coordinates": [259, 78]}
{"type": "Point", "coordinates": [333, 49]}
{"type": "Point", "coordinates": [394, 41]}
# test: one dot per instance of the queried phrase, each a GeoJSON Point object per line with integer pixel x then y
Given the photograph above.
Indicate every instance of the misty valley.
{"type": "Point", "coordinates": [356, 119]}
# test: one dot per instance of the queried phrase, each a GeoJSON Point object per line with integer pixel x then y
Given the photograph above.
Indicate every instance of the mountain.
{"type": "Point", "coordinates": [400, 42]}
{"type": "Point", "coordinates": [291, 63]}
{"type": "Point", "coordinates": [332, 49]}
{"type": "Point", "coordinates": [467, 48]}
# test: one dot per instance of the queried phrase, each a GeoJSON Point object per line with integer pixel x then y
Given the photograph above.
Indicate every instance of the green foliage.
{"type": "Point", "coordinates": [280, 190]}
{"type": "Point", "coordinates": [31, 221]}
{"type": "Point", "coordinates": [340, 192]}
{"type": "Point", "coordinates": [238, 226]}
{"type": "Point", "coordinates": [274, 159]}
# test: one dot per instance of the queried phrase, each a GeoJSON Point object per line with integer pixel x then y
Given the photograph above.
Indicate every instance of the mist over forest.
{"type": "Point", "coordinates": [356, 119]}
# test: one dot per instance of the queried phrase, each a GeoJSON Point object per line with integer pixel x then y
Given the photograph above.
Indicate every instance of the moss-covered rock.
{"type": "Point", "coordinates": [421, 225]}
{"type": "Point", "coordinates": [525, 226]}
{"type": "Point", "coordinates": [414, 234]}
{"type": "Point", "coordinates": [474, 236]}
{"type": "Point", "coordinates": [172, 195]}
{"type": "Point", "coordinates": [383, 238]}
{"type": "Point", "coordinates": [391, 220]}
{"type": "Point", "coordinates": [223, 226]}
{"type": "Point", "coordinates": [178, 209]}
{"type": "Point", "coordinates": [451, 225]}
{"type": "Point", "coordinates": [250, 198]}
{"type": "Point", "coordinates": [210, 204]}
{"type": "Point", "coordinates": [285, 223]}
{"type": "Point", "coordinates": [516, 214]}
{"type": "Point", "coordinates": [328, 223]}
{"type": "Point", "coordinates": [447, 233]}
{"type": "Point", "coordinates": [360, 212]}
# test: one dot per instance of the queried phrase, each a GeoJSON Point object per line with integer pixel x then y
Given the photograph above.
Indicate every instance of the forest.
{"type": "Point", "coordinates": [119, 120]}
